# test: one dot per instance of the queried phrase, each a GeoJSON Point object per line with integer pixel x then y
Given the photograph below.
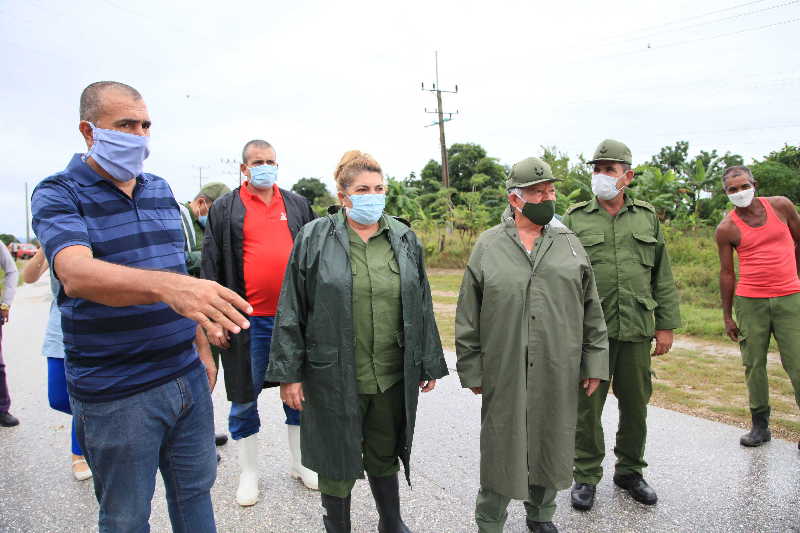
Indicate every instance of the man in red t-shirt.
{"type": "Point", "coordinates": [765, 231]}
{"type": "Point", "coordinates": [248, 239]}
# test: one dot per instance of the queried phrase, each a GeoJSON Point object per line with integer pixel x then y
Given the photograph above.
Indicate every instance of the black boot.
{"type": "Point", "coordinates": [386, 492]}
{"type": "Point", "coordinates": [760, 433]}
{"type": "Point", "coordinates": [541, 527]}
{"type": "Point", "coordinates": [637, 487]}
{"type": "Point", "coordinates": [337, 514]}
{"type": "Point", "coordinates": [582, 496]}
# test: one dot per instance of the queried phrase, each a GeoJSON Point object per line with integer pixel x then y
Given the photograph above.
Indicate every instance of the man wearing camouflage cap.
{"type": "Point", "coordinates": [195, 214]}
{"type": "Point", "coordinates": [530, 337]}
{"type": "Point", "coordinates": [623, 238]}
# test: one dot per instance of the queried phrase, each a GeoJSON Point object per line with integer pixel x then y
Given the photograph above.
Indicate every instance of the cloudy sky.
{"type": "Point", "coordinates": [318, 78]}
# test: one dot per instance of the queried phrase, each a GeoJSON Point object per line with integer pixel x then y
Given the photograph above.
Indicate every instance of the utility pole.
{"type": "Point", "coordinates": [27, 216]}
{"type": "Point", "coordinates": [232, 167]}
{"type": "Point", "coordinates": [200, 171]}
{"type": "Point", "coordinates": [441, 120]}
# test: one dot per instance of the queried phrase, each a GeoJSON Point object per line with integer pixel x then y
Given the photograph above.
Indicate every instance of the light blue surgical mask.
{"type": "Point", "coordinates": [120, 154]}
{"type": "Point", "coordinates": [367, 208]}
{"type": "Point", "coordinates": [202, 220]}
{"type": "Point", "coordinates": [263, 176]}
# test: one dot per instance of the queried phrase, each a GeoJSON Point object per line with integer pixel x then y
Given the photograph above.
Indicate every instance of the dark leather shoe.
{"type": "Point", "coordinates": [8, 420]}
{"type": "Point", "coordinates": [220, 439]}
{"type": "Point", "coordinates": [582, 496]}
{"type": "Point", "coordinates": [541, 527]}
{"type": "Point", "coordinates": [637, 487]}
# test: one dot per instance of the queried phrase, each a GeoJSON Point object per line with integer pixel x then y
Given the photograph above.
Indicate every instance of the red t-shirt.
{"type": "Point", "coordinates": [265, 251]}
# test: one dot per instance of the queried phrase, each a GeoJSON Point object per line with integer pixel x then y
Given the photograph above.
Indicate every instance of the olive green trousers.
{"type": "Point", "coordinates": [491, 508]}
{"type": "Point", "coordinates": [383, 418]}
{"type": "Point", "coordinates": [630, 379]}
{"type": "Point", "coordinates": [758, 319]}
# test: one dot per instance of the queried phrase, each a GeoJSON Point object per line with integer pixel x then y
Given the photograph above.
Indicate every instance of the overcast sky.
{"type": "Point", "coordinates": [318, 78]}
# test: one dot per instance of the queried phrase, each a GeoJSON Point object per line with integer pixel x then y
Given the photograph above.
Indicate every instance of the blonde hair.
{"type": "Point", "coordinates": [351, 165]}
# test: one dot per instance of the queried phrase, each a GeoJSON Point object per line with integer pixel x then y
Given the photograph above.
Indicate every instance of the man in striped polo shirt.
{"type": "Point", "coordinates": [139, 393]}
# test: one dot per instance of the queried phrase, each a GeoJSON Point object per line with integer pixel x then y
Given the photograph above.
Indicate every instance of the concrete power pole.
{"type": "Point", "coordinates": [441, 120]}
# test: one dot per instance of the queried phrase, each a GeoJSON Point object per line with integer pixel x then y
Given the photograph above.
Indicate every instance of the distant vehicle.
{"type": "Point", "coordinates": [22, 250]}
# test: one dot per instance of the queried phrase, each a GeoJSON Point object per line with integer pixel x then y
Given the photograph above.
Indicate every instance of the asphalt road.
{"type": "Point", "coordinates": [705, 480]}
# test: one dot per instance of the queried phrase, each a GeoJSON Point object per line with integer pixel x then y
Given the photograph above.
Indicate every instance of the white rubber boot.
{"type": "Point", "coordinates": [297, 470]}
{"type": "Point", "coordinates": [247, 493]}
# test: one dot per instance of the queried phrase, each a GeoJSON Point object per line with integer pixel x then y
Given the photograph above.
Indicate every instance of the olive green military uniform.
{"type": "Point", "coordinates": [377, 319]}
{"type": "Point", "coordinates": [529, 327]}
{"type": "Point", "coordinates": [635, 283]}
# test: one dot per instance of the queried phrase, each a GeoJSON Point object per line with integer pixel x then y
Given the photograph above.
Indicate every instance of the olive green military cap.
{"type": "Point", "coordinates": [611, 150]}
{"type": "Point", "coordinates": [214, 190]}
{"type": "Point", "coordinates": [529, 172]}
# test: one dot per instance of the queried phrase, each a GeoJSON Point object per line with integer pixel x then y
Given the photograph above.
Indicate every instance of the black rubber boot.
{"type": "Point", "coordinates": [582, 496]}
{"type": "Point", "coordinates": [386, 492]}
{"type": "Point", "coordinates": [541, 527]}
{"type": "Point", "coordinates": [759, 434]}
{"type": "Point", "coordinates": [337, 514]}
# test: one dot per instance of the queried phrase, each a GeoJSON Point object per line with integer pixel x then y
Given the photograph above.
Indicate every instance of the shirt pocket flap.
{"type": "Point", "coordinates": [322, 355]}
{"type": "Point", "coordinates": [647, 302]}
{"type": "Point", "coordinates": [591, 239]}
{"type": "Point", "coordinates": [644, 238]}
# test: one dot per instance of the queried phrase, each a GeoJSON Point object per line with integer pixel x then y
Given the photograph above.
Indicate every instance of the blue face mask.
{"type": "Point", "coordinates": [367, 208]}
{"type": "Point", "coordinates": [202, 219]}
{"type": "Point", "coordinates": [263, 176]}
{"type": "Point", "coordinates": [120, 154]}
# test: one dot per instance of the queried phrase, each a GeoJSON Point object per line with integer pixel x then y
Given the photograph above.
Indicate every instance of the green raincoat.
{"type": "Point", "coordinates": [528, 330]}
{"type": "Point", "coordinates": [313, 342]}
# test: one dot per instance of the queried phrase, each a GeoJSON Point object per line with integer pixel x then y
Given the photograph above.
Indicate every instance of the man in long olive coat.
{"type": "Point", "coordinates": [530, 337]}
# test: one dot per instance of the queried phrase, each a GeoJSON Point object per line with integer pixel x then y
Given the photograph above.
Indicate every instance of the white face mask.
{"type": "Point", "coordinates": [605, 186]}
{"type": "Point", "coordinates": [742, 198]}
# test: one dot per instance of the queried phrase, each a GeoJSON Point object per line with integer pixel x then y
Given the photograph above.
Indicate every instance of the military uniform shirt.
{"type": "Point", "coordinates": [377, 311]}
{"type": "Point", "coordinates": [631, 267]}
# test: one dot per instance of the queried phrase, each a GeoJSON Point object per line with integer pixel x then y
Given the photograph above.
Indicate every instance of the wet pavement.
{"type": "Point", "coordinates": [705, 480]}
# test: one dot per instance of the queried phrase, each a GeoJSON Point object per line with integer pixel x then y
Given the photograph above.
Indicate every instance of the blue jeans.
{"type": "Point", "coordinates": [169, 427]}
{"type": "Point", "coordinates": [243, 420]}
{"type": "Point", "coordinates": [58, 397]}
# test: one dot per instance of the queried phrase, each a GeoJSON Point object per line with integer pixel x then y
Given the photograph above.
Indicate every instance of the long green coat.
{"type": "Point", "coordinates": [528, 330]}
{"type": "Point", "coordinates": [313, 342]}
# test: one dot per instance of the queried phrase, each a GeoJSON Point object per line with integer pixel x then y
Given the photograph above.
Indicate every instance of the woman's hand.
{"type": "Point", "coordinates": [427, 386]}
{"type": "Point", "coordinates": [292, 395]}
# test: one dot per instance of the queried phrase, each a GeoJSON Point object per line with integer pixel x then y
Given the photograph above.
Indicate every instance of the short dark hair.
{"type": "Point", "coordinates": [91, 97]}
{"type": "Point", "coordinates": [737, 170]}
{"type": "Point", "coordinates": [258, 143]}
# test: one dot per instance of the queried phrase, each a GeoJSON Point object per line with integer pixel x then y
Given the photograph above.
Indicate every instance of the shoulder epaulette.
{"type": "Point", "coordinates": [646, 205]}
{"type": "Point", "coordinates": [401, 219]}
{"type": "Point", "coordinates": [573, 207]}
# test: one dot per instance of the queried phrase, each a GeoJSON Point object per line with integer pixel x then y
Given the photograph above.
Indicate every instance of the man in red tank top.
{"type": "Point", "coordinates": [765, 231]}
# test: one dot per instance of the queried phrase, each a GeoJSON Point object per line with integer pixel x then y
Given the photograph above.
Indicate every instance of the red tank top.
{"type": "Point", "coordinates": [767, 265]}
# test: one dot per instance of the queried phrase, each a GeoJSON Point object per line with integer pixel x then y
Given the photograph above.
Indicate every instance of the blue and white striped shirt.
{"type": "Point", "coordinates": [113, 352]}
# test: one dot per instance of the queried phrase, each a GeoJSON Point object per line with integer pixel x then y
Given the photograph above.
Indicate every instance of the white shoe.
{"type": "Point", "coordinates": [247, 493]}
{"type": "Point", "coordinates": [80, 468]}
{"type": "Point", "coordinates": [297, 470]}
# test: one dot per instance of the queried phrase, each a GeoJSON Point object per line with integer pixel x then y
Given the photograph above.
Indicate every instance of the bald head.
{"type": "Point", "coordinates": [91, 106]}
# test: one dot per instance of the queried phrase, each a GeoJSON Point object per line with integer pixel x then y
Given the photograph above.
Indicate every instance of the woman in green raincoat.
{"type": "Point", "coordinates": [354, 342]}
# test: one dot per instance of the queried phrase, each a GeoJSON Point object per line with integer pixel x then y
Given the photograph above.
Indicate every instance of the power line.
{"type": "Point", "coordinates": [706, 23]}
{"type": "Point", "coordinates": [693, 17]}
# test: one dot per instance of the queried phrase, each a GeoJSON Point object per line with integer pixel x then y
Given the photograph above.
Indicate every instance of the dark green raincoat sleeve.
{"type": "Point", "coordinates": [594, 355]}
{"type": "Point", "coordinates": [288, 350]}
{"type": "Point", "coordinates": [468, 320]}
{"type": "Point", "coordinates": [433, 363]}
{"type": "Point", "coordinates": [665, 293]}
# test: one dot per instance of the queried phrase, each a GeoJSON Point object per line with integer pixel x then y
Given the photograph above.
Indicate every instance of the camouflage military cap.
{"type": "Point", "coordinates": [529, 172]}
{"type": "Point", "coordinates": [611, 150]}
{"type": "Point", "coordinates": [214, 190]}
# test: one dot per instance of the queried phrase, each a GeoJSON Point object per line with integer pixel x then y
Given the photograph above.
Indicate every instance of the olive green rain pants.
{"type": "Point", "coordinates": [491, 513]}
{"type": "Point", "coordinates": [383, 421]}
{"type": "Point", "coordinates": [630, 379]}
{"type": "Point", "coordinates": [758, 318]}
